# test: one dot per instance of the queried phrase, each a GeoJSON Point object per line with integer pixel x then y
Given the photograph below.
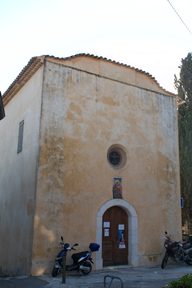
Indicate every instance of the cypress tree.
{"type": "Point", "coordinates": [184, 88]}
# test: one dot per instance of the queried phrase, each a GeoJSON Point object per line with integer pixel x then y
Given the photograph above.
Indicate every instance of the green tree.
{"type": "Point", "coordinates": [184, 88]}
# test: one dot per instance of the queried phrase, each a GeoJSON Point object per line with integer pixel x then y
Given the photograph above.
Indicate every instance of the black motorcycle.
{"type": "Point", "coordinates": [177, 251]}
{"type": "Point", "coordinates": [81, 261]}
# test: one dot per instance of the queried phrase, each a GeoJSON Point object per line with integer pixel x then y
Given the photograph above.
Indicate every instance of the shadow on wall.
{"type": "Point", "coordinates": [43, 268]}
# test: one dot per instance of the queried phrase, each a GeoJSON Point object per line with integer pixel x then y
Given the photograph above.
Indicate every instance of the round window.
{"type": "Point", "coordinates": [116, 157]}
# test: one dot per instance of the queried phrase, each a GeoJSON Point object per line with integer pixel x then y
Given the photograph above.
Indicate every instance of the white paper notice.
{"type": "Point", "coordinates": [121, 227]}
{"type": "Point", "coordinates": [121, 246]}
{"type": "Point", "coordinates": [106, 224]}
{"type": "Point", "coordinates": [106, 232]}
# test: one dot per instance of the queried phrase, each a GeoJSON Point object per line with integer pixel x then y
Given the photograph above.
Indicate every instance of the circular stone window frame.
{"type": "Point", "coordinates": [123, 157]}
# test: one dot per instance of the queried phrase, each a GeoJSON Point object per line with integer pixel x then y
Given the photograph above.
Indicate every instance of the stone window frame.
{"type": "Point", "coordinates": [122, 154]}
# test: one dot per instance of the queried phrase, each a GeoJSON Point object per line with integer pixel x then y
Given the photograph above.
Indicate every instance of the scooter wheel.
{"type": "Point", "coordinates": [55, 272]}
{"type": "Point", "coordinates": [164, 262]}
{"type": "Point", "coordinates": [87, 264]}
{"type": "Point", "coordinates": [189, 262]}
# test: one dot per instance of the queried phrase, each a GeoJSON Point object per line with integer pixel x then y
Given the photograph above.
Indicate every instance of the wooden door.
{"type": "Point", "coordinates": [115, 237]}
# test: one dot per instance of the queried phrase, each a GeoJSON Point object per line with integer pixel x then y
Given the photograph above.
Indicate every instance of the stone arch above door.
{"type": "Point", "coordinates": [132, 231]}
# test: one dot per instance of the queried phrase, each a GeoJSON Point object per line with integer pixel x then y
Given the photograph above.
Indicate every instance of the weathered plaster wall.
{"type": "Point", "coordinates": [111, 70]}
{"type": "Point", "coordinates": [18, 178]}
{"type": "Point", "coordinates": [82, 116]}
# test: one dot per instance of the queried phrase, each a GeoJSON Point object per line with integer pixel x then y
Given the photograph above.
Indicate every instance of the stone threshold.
{"type": "Point", "coordinates": [117, 267]}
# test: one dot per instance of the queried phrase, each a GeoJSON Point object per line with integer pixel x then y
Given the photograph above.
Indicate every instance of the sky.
{"type": "Point", "coordinates": [145, 34]}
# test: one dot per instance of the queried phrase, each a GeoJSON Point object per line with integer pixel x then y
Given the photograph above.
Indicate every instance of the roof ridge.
{"type": "Point", "coordinates": [112, 61]}
{"type": "Point", "coordinates": [36, 61]}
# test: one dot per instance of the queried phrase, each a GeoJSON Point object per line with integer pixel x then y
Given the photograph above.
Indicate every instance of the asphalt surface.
{"type": "Point", "coordinates": [141, 277]}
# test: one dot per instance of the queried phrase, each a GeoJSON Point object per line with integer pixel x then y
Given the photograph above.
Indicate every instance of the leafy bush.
{"type": "Point", "coordinates": [184, 282]}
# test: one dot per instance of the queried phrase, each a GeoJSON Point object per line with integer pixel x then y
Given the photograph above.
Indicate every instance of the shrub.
{"type": "Point", "coordinates": [183, 282]}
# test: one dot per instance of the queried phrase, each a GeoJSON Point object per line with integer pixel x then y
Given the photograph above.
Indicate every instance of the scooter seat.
{"type": "Point", "coordinates": [77, 256]}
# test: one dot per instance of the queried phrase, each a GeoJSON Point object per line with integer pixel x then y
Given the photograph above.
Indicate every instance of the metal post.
{"type": "Point", "coordinates": [64, 269]}
{"type": "Point", "coordinates": [112, 278]}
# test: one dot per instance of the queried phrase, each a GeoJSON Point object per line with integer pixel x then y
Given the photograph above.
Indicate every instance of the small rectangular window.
{"type": "Point", "coordinates": [20, 137]}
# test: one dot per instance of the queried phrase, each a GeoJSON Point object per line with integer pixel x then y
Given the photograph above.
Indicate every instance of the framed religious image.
{"type": "Point", "coordinates": [117, 188]}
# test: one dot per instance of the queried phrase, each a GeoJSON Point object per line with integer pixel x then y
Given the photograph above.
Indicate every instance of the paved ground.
{"type": "Point", "coordinates": [142, 277]}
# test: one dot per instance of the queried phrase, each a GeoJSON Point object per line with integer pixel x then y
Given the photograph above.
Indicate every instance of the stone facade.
{"type": "Point", "coordinates": [74, 110]}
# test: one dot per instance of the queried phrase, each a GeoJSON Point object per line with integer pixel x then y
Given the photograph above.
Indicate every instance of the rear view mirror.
{"type": "Point", "coordinates": [76, 244]}
{"type": "Point", "coordinates": [62, 238]}
{"type": "Point", "coordinates": [165, 232]}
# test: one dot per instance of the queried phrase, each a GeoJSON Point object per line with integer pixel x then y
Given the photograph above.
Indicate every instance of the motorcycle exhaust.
{"type": "Point", "coordinates": [188, 251]}
{"type": "Point", "coordinates": [84, 268]}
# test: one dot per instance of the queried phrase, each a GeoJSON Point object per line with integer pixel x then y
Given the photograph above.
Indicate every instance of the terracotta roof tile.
{"type": "Point", "coordinates": [27, 72]}
{"type": "Point", "coordinates": [112, 61]}
{"type": "Point", "coordinates": [36, 62]}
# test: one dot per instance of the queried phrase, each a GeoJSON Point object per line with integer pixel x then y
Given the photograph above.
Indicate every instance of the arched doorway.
{"type": "Point", "coordinates": [115, 237]}
{"type": "Point", "coordinates": [132, 231]}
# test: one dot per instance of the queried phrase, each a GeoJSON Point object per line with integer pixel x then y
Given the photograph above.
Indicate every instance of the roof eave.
{"type": "Point", "coordinates": [28, 71]}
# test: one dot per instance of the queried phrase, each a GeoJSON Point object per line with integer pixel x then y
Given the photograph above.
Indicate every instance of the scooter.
{"type": "Point", "coordinates": [177, 251]}
{"type": "Point", "coordinates": [81, 261]}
